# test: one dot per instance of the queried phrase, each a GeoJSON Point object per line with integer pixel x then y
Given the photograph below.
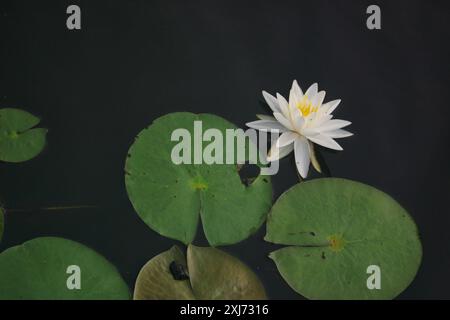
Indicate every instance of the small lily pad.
{"type": "Point", "coordinates": [39, 269]}
{"type": "Point", "coordinates": [337, 231]}
{"type": "Point", "coordinates": [171, 198]}
{"type": "Point", "coordinates": [156, 281]}
{"type": "Point", "coordinates": [19, 140]}
{"type": "Point", "coordinates": [212, 275]}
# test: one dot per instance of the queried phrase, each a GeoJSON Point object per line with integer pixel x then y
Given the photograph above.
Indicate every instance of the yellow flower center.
{"type": "Point", "coordinates": [337, 243]}
{"type": "Point", "coordinates": [305, 106]}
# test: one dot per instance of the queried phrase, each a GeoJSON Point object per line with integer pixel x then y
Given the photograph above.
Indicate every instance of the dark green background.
{"type": "Point", "coordinates": [134, 61]}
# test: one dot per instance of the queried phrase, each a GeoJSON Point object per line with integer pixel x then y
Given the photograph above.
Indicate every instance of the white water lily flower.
{"type": "Point", "coordinates": [302, 121]}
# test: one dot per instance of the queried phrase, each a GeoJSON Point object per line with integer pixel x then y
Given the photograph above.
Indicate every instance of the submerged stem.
{"type": "Point", "coordinates": [52, 208]}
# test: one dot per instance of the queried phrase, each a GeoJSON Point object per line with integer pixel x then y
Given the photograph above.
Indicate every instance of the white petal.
{"type": "Point", "coordinates": [266, 125]}
{"type": "Point", "coordinates": [276, 153]}
{"type": "Point", "coordinates": [330, 106]}
{"type": "Point", "coordinates": [317, 100]}
{"type": "Point", "coordinates": [297, 90]}
{"type": "Point", "coordinates": [271, 101]}
{"type": "Point", "coordinates": [301, 150]}
{"type": "Point", "coordinates": [292, 111]}
{"type": "Point", "coordinates": [284, 105]}
{"type": "Point", "coordinates": [333, 125]}
{"type": "Point", "coordinates": [295, 95]}
{"type": "Point", "coordinates": [265, 117]}
{"type": "Point", "coordinates": [312, 91]}
{"type": "Point", "coordinates": [281, 119]}
{"type": "Point", "coordinates": [320, 119]}
{"type": "Point", "coordinates": [325, 141]}
{"type": "Point", "coordinates": [297, 120]}
{"type": "Point", "coordinates": [338, 133]}
{"type": "Point", "coordinates": [309, 132]}
{"type": "Point", "coordinates": [286, 139]}
{"type": "Point", "coordinates": [312, 154]}
{"type": "Point", "coordinates": [293, 101]}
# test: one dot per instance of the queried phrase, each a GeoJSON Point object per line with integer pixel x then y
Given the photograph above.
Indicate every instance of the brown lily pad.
{"type": "Point", "coordinates": [206, 274]}
{"type": "Point", "coordinates": [156, 281]}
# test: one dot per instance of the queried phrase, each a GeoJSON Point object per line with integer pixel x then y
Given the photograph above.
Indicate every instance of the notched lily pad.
{"type": "Point", "coordinates": [211, 275]}
{"type": "Point", "coordinates": [38, 269]}
{"type": "Point", "coordinates": [171, 198]}
{"type": "Point", "coordinates": [158, 281]}
{"type": "Point", "coordinates": [19, 140]}
{"type": "Point", "coordinates": [335, 230]}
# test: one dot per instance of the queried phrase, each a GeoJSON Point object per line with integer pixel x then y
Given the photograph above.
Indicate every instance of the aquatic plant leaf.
{"type": "Point", "coordinates": [171, 197]}
{"type": "Point", "coordinates": [336, 229]}
{"type": "Point", "coordinates": [38, 269]}
{"type": "Point", "coordinates": [216, 275]}
{"type": "Point", "coordinates": [19, 140]}
{"type": "Point", "coordinates": [156, 281]}
{"type": "Point", "coordinates": [206, 274]}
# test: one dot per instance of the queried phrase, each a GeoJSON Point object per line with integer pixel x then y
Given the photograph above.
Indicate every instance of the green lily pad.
{"type": "Point", "coordinates": [171, 197]}
{"type": "Point", "coordinates": [338, 231]}
{"type": "Point", "coordinates": [19, 140]}
{"type": "Point", "coordinates": [40, 269]}
{"type": "Point", "coordinates": [210, 274]}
